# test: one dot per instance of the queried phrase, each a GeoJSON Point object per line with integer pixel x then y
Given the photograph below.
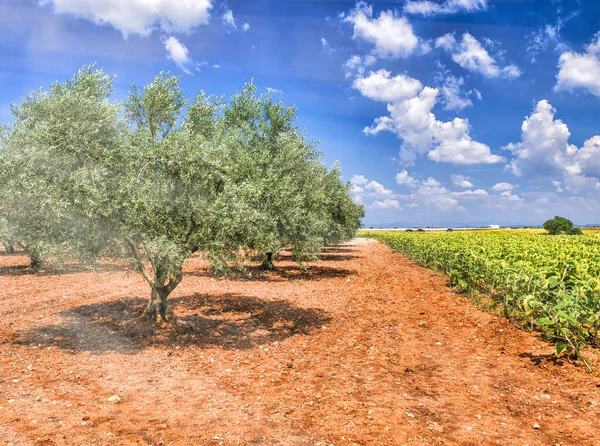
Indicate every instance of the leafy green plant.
{"type": "Point", "coordinates": [548, 283]}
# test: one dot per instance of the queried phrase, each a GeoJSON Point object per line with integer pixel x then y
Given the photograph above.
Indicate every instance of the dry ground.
{"type": "Point", "coordinates": [364, 348]}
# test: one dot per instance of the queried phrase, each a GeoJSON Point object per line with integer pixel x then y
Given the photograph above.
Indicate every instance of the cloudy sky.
{"type": "Point", "coordinates": [442, 112]}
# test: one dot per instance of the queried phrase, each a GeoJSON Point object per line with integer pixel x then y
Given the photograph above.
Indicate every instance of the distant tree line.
{"type": "Point", "coordinates": [156, 178]}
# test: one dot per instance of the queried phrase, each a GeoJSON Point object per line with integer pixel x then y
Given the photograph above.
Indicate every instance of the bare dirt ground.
{"type": "Point", "coordinates": [364, 348]}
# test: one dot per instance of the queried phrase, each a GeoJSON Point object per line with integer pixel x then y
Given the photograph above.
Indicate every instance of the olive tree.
{"type": "Point", "coordinates": [558, 225]}
{"type": "Point", "coordinates": [155, 179]}
{"type": "Point", "coordinates": [297, 203]}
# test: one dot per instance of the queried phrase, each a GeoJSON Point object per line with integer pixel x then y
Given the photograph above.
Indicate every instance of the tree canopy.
{"type": "Point", "coordinates": [561, 225]}
{"type": "Point", "coordinates": [156, 178]}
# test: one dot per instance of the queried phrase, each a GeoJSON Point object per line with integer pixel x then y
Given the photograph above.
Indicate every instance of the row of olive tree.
{"type": "Point", "coordinates": [155, 179]}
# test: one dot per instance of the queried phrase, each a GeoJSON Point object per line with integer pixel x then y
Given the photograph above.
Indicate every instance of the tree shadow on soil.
{"type": "Point", "coordinates": [228, 321]}
{"type": "Point", "coordinates": [543, 359]}
{"type": "Point", "coordinates": [283, 273]}
{"type": "Point", "coordinates": [64, 270]}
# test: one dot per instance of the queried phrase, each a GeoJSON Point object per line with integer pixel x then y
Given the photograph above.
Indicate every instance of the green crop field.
{"type": "Point", "coordinates": [551, 283]}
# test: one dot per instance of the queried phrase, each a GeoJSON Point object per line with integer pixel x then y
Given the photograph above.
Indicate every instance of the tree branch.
{"type": "Point", "coordinates": [138, 261]}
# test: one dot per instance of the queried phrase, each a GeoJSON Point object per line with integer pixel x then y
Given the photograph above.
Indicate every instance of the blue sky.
{"type": "Point", "coordinates": [442, 112]}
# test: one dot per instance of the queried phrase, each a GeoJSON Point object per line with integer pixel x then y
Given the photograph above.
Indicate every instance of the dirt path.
{"type": "Point", "coordinates": [364, 348]}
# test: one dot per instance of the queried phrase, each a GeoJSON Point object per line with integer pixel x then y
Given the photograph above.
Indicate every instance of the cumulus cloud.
{"type": "Point", "coordinates": [379, 86]}
{"type": "Point", "coordinates": [391, 35]}
{"type": "Point", "coordinates": [246, 26]}
{"type": "Point", "coordinates": [461, 181]}
{"type": "Point", "coordinates": [503, 187]}
{"type": "Point", "coordinates": [544, 150]}
{"type": "Point", "coordinates": [428, 8]}
{"type": "Point", "coordinates": [412, 120]}
{"type": "Point", "coordinates": [138, 16]}
{"type": "Point", "coordinates": [358, 179]}
{"type": "Point", "coordinates": [472, 56]}
{"type": "Point", "coordinates": [178, 53]}
{"type": "Point", "coordinates": [388, 203]}
{"type": "Point", "coordinates": [404, 179]}
{"type": "Point", "coordinates": [509, 196]}
{"type": "Point", "coordinates": [580, 70]}
{"type": "Point", "coordinates": [377, 188]}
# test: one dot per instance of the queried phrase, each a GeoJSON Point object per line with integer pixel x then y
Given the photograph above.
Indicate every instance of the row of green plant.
{"type": "Point", "coordinates": [550, 283]}
{"type": "Point", "coordinates": [155, 178]}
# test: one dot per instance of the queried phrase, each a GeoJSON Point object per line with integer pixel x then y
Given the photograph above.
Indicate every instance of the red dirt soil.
{"type": "Point", "coordinates": [366, 347]}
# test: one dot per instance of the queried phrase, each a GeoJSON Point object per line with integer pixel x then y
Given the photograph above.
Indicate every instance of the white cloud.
{"type": "Point", "coordinates": [539, 40]}
{"type": "Point", "coordinates": [178, 53]}
{"type": "Point", "coordinates": [359, 179]}
{"type": "Point", "coordinates": [274, 90]}
{"type": "Point", "coordinates": [411, 119]}
{"type": "Point", "coordinates": [461, 181]}
{"type": "Point", "coordinates": [392, 35]}
{"type": "Point", "coordinates": [544, 150]}
{"type": "Point", "coordinates": [138, 16]}
{"type": "Point", "coordinates": [472, 56]}
{"type": "Point", "coordinates": [356, 64]}
{"type": "Point", "coordinates": [427, 8]}
{"type": "Point", "coordinates": [404, 179]}
{"type": "Point", "coordinates": [388, 203]}
{"type": "Point", "coordinates": [377, 188]}
{"type": "Point", "coordinates": [580, 70]}
{"type": "Point", "coordinates": [380, 87]}
{"type": "Point", "coordinates": [325, 45]}
{"type": "Point", "coordinates": [229, 20]}
{"type": "Point", "coordinates": [508, 195]}
{"type": "Point", "coordinates": [471, 193]}
{"type": "Point", "coordinates": [581, 184]}
{"type": "Point", "coordinates": [246, 26]}
{"type": "Point", "coordinates": [454, 97]}
{"type": "Point", "coordinates": [558, 186]}
{"type": "Point", "coordinates": [544, 147]}
{"type": "Point", "coordinates": [503, 187]}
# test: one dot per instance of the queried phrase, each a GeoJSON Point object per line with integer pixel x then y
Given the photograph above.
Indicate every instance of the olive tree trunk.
{"type": "Point", "coordinates": [267, 262]}
{"type": "Point", "coordinates": [158, 309]}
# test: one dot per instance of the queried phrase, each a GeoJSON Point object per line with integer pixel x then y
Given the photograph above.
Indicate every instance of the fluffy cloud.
{"type": "Point", "coordinates": [544, 150]}
{"type": "Point", "coordinates": [246, 26]}
{"type": "Point", "coordinates": [388, 203]}
{"type": "Point", "coordinates": [427, 8]}
{"type": "Point", "coordinates": [404, 179]}
{"type": "Point", "coordinates": [377, 188]}
{"type": "Point", "coordinates": [178, 53]}
{"type": "Point", "coordinates": [379, 86]}
{"type": "Point", "coordinates": [503, 187]}
{"type": "Point", "coordinates": [358, 179]}
{"type": "Point", "coordinates": [138, 16]}
{"type": "Point", "coordinates": [392, 36]}
{"type": "Point", "coordinates": [461, 181]}
{"type": "Point", "coordinates": [472, 56]}
{"type": "Point", "coordinates": [411, 118]}
{"type": "Point", "coordinates": [580, 70]}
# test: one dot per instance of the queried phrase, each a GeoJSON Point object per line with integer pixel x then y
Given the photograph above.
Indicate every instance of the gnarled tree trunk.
{"type": "Point", "coordinates": [158, 309]}
{"type": "Point", "coordinates": [267, 262]}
